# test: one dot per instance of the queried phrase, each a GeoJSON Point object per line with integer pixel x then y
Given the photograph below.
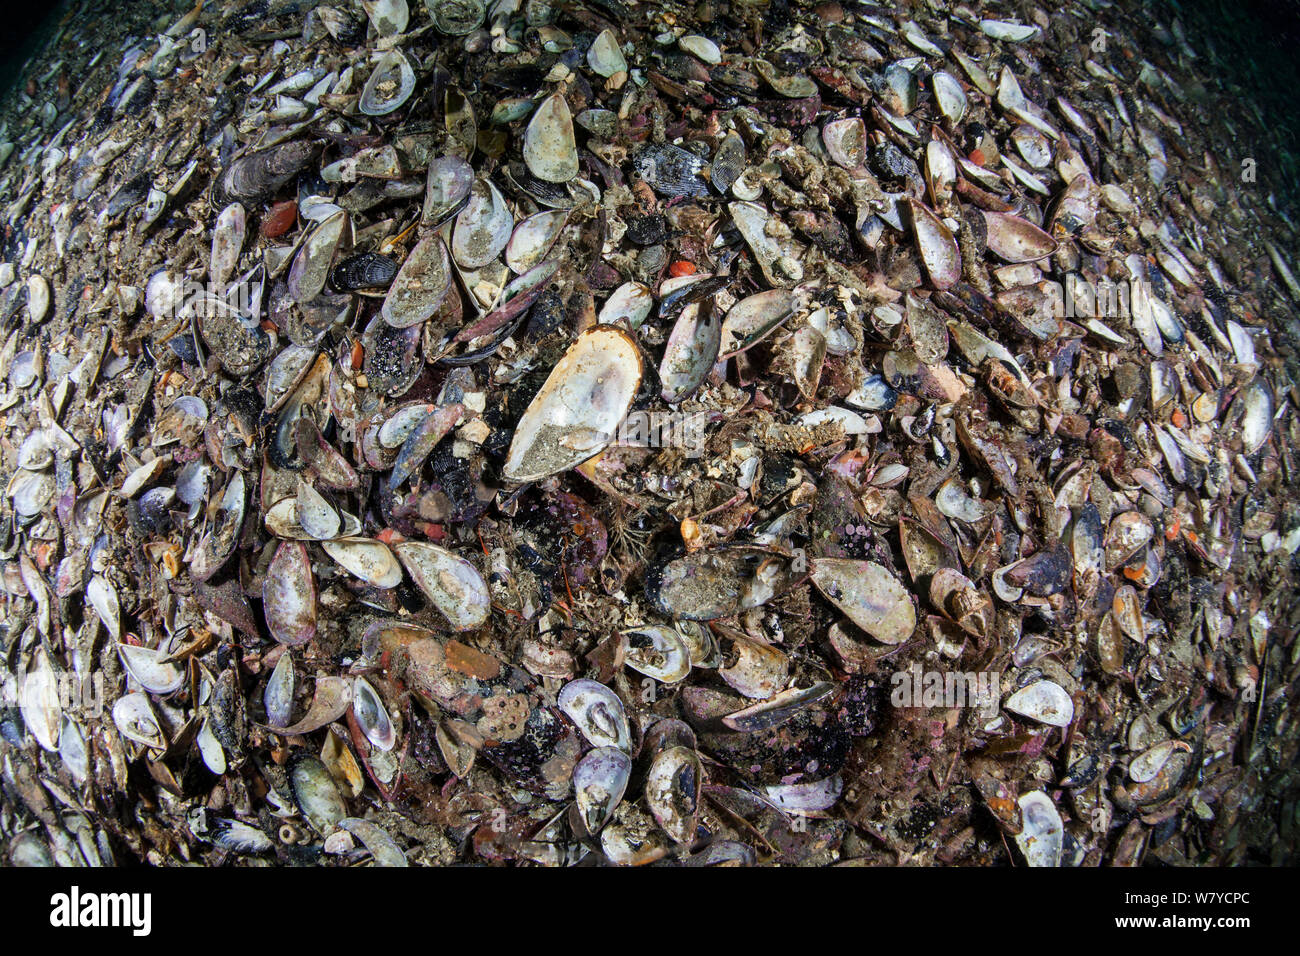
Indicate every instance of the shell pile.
{"type": "Point", "coordinates": [541, 433]}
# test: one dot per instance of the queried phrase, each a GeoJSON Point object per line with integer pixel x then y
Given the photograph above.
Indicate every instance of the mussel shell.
{"type": "Point", "coordinates": [483, 227]}
{"type": "Point", "coordinates": [391, 84]}
{"type": "Point", "coordinates": [718, 582]}
{"type": "Point", "coordinates": [316, 793]}
{"type": "Point", "coordinates": [289, 595]}
{"type": "Point", "coordinates": [550, 151]}
{"type": "Point", "coordinates": [577, 412]}
{"type": "Point", "coordinates": [447, 188]}
{"type": "Point", "coordinates": [259, 175]}
{"type": "Point", "coordinates": [367, 270]}
{"type": "Point", "coordinates": [672, 171]}
{"type": "Point", "coordinates": [421, 285]}
{"type": "Point", "coordinates": [597, 712]}
{"type": "Point", "coordinates": [599, 781]}
{"type": "Point", "coordinates": [453, 584]}
{"type": "Point", "coordinates": [673, 792]}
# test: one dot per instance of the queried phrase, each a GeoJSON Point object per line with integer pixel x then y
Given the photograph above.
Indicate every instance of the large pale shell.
{"type": "Point", "coordinates": [779, 258]}
{"type": "Point", "coordinates": [317, 794]}
{"type": "Point", "coordinates": [278, 696]}
{"type": "Point", "coordinates": [599, 782]}
{"type": "Point", "coordinates": [135, 720]}
{"type": "Point", "coordinates": [846, 141]}
{"type": "Point", "coordinates": [533, 239]}
{"type": "Point", "coordinates": [39, 701]}
{"type": "Point", "coordinates": [754, 318]}
{"type": "Point", "coordinates": [604, 55]}
{"type": "Point", "coordinates": [150, 669]}
{"type": "Point", "coordinates": [949, 95]}
{"type": "Point", "coordinates": [578, 410]}
{"type": "Point", "coordinates": [1017, 240]}
{"type": "Point", "coordinates": [872, 598]}
{"type": "Point", "coordinates": [657, 651]}
{"type": "Point", "coordinates": [672, 791]}
{"type": "Point", "coordinates": [1043, 701]}
{"type": "Point", "coordinates": [289, 595]}
{"type": "Point", "coordinates": [369, 560]}
{"type": "Point", "coordinates": [454, 585]}
{"type": "Point", "coordinates": [312, 264]}
{"type": "Point", "coordinates": [372, 716]}
{"type": "Point", "coordinates": [227, 241]}
{"type": "Point", "coordinates": [1042, 836]}
{"type": "Point", "coordinates": [550, 150]}
{"type": "Point", "coordinates": [937, 245]}
{"type": "Point", "coordinates": [691, 351]}
{"type": "Point", "coordinates": [629, 305]}
{"type": "Point", "coordinates": [597, 712]}
{"type": "Point", "coordinates": [447, 188]}
{"type": "Point", "coordinates": [383, 848]}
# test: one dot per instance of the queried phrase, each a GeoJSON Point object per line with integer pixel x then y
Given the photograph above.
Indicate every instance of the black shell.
{"type": "Point", "coordinates": [368, 270]}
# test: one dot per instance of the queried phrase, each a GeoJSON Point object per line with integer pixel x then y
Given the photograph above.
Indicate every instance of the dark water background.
{"type": "Point", "coordinates": [26, 26]}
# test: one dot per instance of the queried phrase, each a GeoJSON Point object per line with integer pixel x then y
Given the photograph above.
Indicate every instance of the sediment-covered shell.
{"type": "Point", "coordinates": [483, 227]}
{"type": "Point", "coordinates": [420, 286]}
{"type": "Point", "coordinates": [254, 177]}
{"type": "Point", "coordinates": [550, 150]}
{"type": "Point", "coordinates": [1015, 239]}
{"type": "Point", "coordinates": [719, 582]}
{"type": "Point", "coordinates": [577, 412]}
{"type": "Point", "coordinates": [454, 585]}
{"type": "Point", "coordinates": [672, 171]}
{"type": "Point", "coordinates": [674, 786]}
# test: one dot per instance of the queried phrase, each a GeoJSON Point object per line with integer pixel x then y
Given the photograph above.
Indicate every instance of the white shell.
{"type": "Point", "coordinates": [367, 559]}
{"type": "Point", "coordinates": [146, 665]}
{"type": "Point", "coordinates": [578, 410]}
{"type": "Point", "coordinates": [1043, 701]}
{"type": "Point", "coordinates": [1041, 838]}
{"type": "Point", "coordinates": [873, 599]}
